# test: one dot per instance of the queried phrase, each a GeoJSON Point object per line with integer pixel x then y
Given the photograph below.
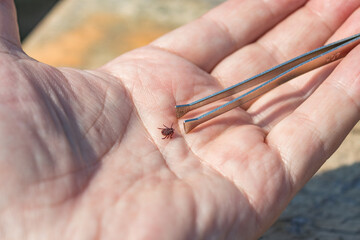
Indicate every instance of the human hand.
{"type": "Point", "coordinates": [82, 157]}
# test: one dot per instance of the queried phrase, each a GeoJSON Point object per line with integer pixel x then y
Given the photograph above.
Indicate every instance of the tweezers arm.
{"type": "Point", "coordinates": [328, 56]}
{"type": "Point", "coordinates": [181, 110]}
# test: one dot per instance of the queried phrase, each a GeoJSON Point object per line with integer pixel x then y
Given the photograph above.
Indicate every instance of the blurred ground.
{"type": "Point", "coordinates": [87, 33]}
{"type": "Point", "coordinates": [328, 207]}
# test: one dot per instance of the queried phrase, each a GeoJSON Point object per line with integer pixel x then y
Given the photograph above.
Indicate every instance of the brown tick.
{"type": "Point", "coordinates": [167, 132]}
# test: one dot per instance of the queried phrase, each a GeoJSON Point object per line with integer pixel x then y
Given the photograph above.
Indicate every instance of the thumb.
{"type": "Point", "coordinates": [9, 32]}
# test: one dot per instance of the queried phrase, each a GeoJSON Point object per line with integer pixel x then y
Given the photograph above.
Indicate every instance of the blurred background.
{"type": "Point", "coordinates": [30, 13]}
{"type": "Point", "coordinates": [88, 33]}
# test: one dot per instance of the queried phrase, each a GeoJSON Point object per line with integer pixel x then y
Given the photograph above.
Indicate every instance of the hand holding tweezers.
{"type": "Point", "coordinates": [268, 80]}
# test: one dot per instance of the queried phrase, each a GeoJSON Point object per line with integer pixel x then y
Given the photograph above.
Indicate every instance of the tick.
{"type": "Point", "coordinates": [167, 132]}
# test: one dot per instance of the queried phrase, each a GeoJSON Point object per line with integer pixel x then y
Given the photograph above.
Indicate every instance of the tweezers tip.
{"type": "Point", "coordinates": [187, 128]}
{"type": "Point", "coordinates": [190, 124]}
{"type": "Point", "coordinates": [181, 110]}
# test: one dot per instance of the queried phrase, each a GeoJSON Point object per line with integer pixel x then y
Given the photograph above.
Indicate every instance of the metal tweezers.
{"type": "Point", "coordinates": [268, 80]}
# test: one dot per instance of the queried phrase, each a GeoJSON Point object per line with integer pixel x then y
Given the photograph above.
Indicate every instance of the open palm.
{"type": "Point", "coordinates": [82, 157]}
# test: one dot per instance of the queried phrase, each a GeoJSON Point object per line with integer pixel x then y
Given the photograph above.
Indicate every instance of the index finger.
{"type": "Point", "coordinates": [226, 28]}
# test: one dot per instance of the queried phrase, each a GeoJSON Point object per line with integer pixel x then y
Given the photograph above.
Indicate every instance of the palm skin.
{"type": "Point", "coordinates": [82, 157]}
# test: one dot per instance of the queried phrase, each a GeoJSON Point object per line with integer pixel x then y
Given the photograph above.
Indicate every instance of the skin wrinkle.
{"type": "Point", "coordinates": [268, 8]}
{"type": "Point", "coordinates": [128, 95]}
{"type": "Point", "coordinates": [229, 129]}
{"type": "Point", "coordinates": [118, 142]}
{"type": "Point", "coordinates": [236, 44]}
{"type": "Point", "coordinates": [97, 117]}
{"type": "Point", "coordinates": [273, 52]}
{"type": "Point", "coordinates": [12, 49]}
{"type": "Point", "coordinates": [207, 20]}
{"type": "Point", "coordinates": [231, 181]}
{"type": "Point", "coordinates": [158, 48]}
{"type": "Point", "coordinates": [48, 155]}
{"type": "Point", "coordinates": [98, 232]}
{"type": "Point", "coordinates": [249, 201]}
{"type": "Point", "coordinates": [214, 223]}
{"type": "Point", "coordinates": [285, 160]}
{"type": "Point", "coordinates": [166, 163]}
{"type": "Point", "coordinates": [74, 172]}
{"type": "Point", "coordinates": [63, 118]}
{"type": "Point", "coordinates": [303, 91]}
{"type": "Point", "coordinates": [193, 211]}
{"type": "Point", "coordinates": [229, 229]}
{"type": "Point", "coordinates": [130, 101]}
{"type": "Point", "coordinates": [259, 116]}
{"type": "Point", "coordinates": [115, 145]}
{"type": "Point", "coordinates": [177, 178]}
{"type": "Point", "coordinates": [277, 150]}
{"type": "Point", "coordinates": [34, 152]}
{"type": "Point", "coordinates": [339, 86]}
{"type": "Point", "coordinates": [138, 110]}
{"type": "Point", "coordinates": [13, 45]}
{"type": "Point", "coordinates": [223, 29]}
{"type": "Point", "coordinates": [288, 180]}
{"type": "Point", "coordinates": [13, 57]}
{"type": "Point", "coordinates": [320, 17]}
{"type": "Point", "coordinates": [51, 107]}
{"type": "Point", "coordinates": [83, 135]}
{"type": "Point", "coordinates": [46, 92]}
{"type": "Point", "coordinates": [90, 169]}
{"type": "Point", "coordinates": [305, 122]}
{"type": "Point", "coordinates": [138, 76]}
{"type": "Point", "coordinates": [132, 88]}
{"type": "Point", "coordinates": [6, 53]}
{"type": "Point", "coordinates": [137, 183]}
{"type": "Point", "coordinates": [94, 165]}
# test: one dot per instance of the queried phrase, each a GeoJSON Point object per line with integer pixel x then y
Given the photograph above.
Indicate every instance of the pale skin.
{"type": "Point", "coordinates": [81, 155]}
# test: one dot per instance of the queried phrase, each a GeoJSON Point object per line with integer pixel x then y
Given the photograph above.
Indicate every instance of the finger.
{"type": "Point", "coordinates": [225, 29]}
{"type": "Point", "coordinates": [308, 28]}
{"type": "Point", "coordinates": [280, 102]}
{"type": "Point", "coordinates": [9, 33]}
{"type": "Point", "coordinates": [312, 133]}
